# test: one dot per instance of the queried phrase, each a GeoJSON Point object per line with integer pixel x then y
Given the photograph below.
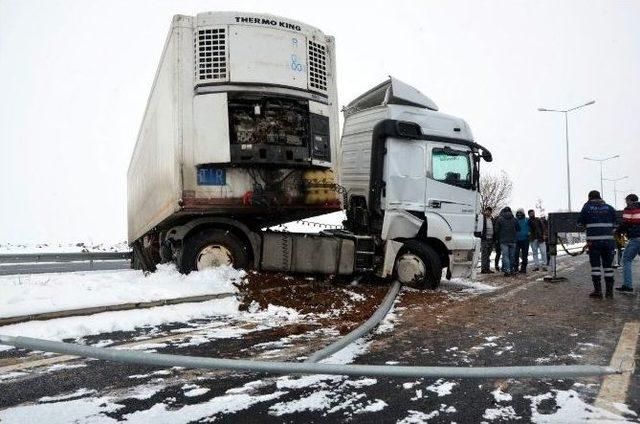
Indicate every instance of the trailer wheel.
{"type": "Point", "coordinates": [212, 248]}
{"type": "Point", "coordinates": [418, 265]}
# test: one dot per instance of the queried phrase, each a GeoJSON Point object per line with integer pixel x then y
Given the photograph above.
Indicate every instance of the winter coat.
{"type": "Point", "coordinates": [506, 227]}
{"type": "Point", "coordinates": [523, 232]}
{"type": "Point", "coordinates": [536, 229]}
{"type": "Point", "coordinates": [631, 221]}
{"type": "Point", "coordinates": [599, 219]}
{"type": "Point", "coordinates": [484, 228]}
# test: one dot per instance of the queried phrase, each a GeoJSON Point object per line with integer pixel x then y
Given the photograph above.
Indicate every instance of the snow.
{"type": "Point", "coordinates": [74, 327]}
{"type": "Point", "coordinates": [418, 417]}
{"type": "Point", "coordinates": [570, 409]}
{"type": "Point", "coordinates": [316, 401]}
{"type": "Point", "coordinates": [506, 413]}
{"type": "Point", "coordinates": [375, 406]}
{"type": "Point", "coordinates": [364, 382]}
{"type": "Point", "coordinates": [38, 293]}
{"type": "Point", "coordinates": [410, 385]}
{"type": "Point", "coordinates": [90, 409]}
{"type": "Point", "coordinates": [78, 393]}
{"type": "Point", "coordinates": [442, 387]}
{"type": "Point", "coordinates": [467, 286]}
{"type": "Point", "coordinates": [500, 396]}
{"type": "Point", "coordinates": [227, 404]}
{"type": "Point", "coordinates": [196, 391]}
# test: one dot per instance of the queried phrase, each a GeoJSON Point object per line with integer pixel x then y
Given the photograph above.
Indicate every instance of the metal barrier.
{"type": "Point", "coordinates": [10, 259]}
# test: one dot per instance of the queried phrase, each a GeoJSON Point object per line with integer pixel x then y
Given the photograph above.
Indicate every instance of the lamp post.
{"type": "Point", "coordinates": [615, 189]}
{"type": "Point", "coordinates": [566, 136]}
{"type": "Point", "coordinates": [601, 161]}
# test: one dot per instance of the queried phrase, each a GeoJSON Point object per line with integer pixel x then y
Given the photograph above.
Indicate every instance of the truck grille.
{"type": "Point", "coordinates": [317, 66]}
{"type": "Point", "coordinates": [210, 47]}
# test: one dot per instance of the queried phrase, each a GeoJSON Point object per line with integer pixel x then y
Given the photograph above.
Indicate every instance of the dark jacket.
{"type": "Point", "coordinates": [599, 219]}
{"type": "Point", "coordinates": [631, 221]}
{"type": "Point", "coordinates": [537, 229]}
{"type": "Point", "coordinates": [506, 228]}
{"type": "Point", "coordinates": [484, 228]}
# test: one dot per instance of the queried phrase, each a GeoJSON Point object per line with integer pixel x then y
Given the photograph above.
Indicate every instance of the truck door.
{"type": "Point", "coordinates": [405, 174]}
{"type": "Point", "coordinates": [450, 190]}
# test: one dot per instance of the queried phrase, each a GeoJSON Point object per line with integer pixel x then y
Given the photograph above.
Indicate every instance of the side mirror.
{"type": "Point", "coordinates": [486, 155]}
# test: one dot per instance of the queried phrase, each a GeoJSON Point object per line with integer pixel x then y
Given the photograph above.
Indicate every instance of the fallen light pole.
{"type": "Point", "coordinates": [195, 362]}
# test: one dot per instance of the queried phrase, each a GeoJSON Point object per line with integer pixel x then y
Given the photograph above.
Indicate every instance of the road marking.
{"type": "Point", "coordinates": [614, 387]}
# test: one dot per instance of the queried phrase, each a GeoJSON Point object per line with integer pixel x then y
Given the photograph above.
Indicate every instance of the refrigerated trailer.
{"type": "Point", "coordinates": [241, 133]}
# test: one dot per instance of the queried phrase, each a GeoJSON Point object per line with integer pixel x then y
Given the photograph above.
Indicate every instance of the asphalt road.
{"type": "Point", "coordinates": [41, 268]}
{"type": "Point", "coordinates": [522, 322]}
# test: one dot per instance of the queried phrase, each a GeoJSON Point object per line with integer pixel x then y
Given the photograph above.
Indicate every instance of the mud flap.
{"type": "Point", "coordinates": [142, 259]}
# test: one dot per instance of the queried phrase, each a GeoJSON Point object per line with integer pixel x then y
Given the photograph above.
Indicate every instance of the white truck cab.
{"type": "Point", "coordinates": [412, 174]}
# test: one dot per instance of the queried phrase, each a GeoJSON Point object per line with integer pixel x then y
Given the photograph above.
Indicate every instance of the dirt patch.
{"type": "Point", "coordinates": [335, 302]}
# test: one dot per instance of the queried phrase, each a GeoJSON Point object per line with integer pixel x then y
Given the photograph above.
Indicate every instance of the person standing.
{"type": "Point", "coordinates": [537, 240]}
{"type": "Point", "coordinates": [506, 231]}
{"type": "Point", "coordinates": [631, 227]}
{"type": "Point", "coordinates": [599, 219]}
{"type": "Point", "coordinates": [486, 240]}
{"type": "Point", "coordinates": [522, 243]}
{"type": "Point", "coordinates": [545, 231]}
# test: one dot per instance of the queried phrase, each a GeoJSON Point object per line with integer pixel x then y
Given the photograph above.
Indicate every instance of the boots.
{"type": "Point", "coordinates": [597, 290]}
{"type": "Point", "coordinates": [609, 289]}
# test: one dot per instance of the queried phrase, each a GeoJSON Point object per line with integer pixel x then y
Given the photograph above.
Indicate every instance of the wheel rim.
{"type": "Point", "coordinates": [212, 256]}
{"type": "Point", "coordinates": [410, 268]}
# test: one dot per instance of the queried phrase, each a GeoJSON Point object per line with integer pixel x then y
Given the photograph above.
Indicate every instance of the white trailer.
{"type": "Point", "coordinates": [242, 119]}
{"type": "Point", "coordinates": [230, 146]}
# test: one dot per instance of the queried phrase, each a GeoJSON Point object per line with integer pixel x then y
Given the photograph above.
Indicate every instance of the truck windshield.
{"type": "Point", "coordinates": [452, 167]}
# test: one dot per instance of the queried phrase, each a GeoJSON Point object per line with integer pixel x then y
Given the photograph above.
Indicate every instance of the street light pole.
{"type": "Point", "coordinates": [601, 162]}
{"type": "Point", "coordinates": [615, 188]}
{"type": "Point", "coordinates": [566, 137]}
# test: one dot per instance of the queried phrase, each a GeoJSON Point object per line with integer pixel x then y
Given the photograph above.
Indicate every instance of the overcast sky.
{"type": "Point", "coordinates": [75, 77]}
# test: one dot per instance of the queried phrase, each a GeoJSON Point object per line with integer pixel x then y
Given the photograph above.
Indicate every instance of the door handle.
{"type": "Point", "coordinates": [435, 204]}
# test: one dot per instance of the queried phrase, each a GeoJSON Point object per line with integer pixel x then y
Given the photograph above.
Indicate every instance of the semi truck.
{"type": "Point", "coordinates": [241, 133]}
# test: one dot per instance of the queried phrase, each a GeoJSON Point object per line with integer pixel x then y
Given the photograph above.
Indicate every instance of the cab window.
{"type": "Point", "coordinates": [452, 167]}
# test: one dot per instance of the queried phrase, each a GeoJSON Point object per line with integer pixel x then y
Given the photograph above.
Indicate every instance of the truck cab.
{"type": "Point", "coordinates": [412, 174]}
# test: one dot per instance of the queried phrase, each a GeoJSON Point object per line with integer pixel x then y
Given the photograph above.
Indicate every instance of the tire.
{"type": "Point", "coordinates": [223, 243]}
{"type": "Point", "coordinates": [418, 265]}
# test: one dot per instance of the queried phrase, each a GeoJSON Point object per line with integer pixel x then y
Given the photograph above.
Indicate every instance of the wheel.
{"type": "Point", "coordinates": [212, 248]}
{"type": "Point", "coordinates": [418, 266]}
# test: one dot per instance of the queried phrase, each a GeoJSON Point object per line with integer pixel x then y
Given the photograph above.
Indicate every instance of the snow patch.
{"type": "Point", "coordinates": [39, 293]}
{"type": "Point", "coordinates": [502, 413]}
{"type": "Point", "coordinates": [418, 417]}
{"type": "Point", "coordinates": [442, 387]}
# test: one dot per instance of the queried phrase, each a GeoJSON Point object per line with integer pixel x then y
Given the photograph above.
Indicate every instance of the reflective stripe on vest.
{"type": "Point", "coordinates": [600, 237]}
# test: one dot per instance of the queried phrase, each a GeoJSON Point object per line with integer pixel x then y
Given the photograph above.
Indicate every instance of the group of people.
{"type": "Point", "coordinates": [511, 237]}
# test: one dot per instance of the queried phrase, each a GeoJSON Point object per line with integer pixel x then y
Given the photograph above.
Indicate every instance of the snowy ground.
{"type": "Point", "coordinates": [37, 293]}
{"type": "Point", "coordinates": [498, 321]}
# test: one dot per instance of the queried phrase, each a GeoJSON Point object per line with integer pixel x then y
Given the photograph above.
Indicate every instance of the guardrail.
{"type": "Point", "coordinates": [23, 258]}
